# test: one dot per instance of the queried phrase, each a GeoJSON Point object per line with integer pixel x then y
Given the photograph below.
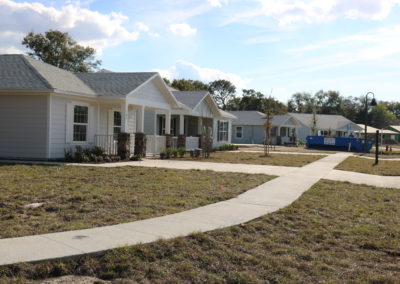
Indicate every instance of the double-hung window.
{"type": "Point", "coordinates": [117, 123]}
{"type": "Point", "coordinates": [223, 131]}
{"type": "Point", "coordinates": [81, 122]}
{"type": "Point", "coordinates": [239, 132]}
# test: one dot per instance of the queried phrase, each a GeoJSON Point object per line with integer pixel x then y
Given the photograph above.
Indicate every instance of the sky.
{"type": "Point", "coordinates": [277, 47]}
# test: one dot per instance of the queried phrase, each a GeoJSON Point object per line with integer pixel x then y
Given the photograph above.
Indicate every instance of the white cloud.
{"type": "Point", "coordinates": [182, 29]}
{"type": "Point", "coordinates": [372, 46]}
{"type": "Point", "coordinates": [85, 26]}
{"type": "Point", "coordinates": [144, 28]}
{"type": "Point", "coordinates": [217, 3]}
{"type": "Point", "coordinates": [287, 12]}
{"type": "Point", "coordinates": [186, 70]}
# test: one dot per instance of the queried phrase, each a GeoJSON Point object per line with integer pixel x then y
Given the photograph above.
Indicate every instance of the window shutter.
{"type": "Point", "coordinates": [218, 128]}
{"type": "Point", "coordinates": [69, 116]}
{"type": "Point", "coordinates": [227, 131]}
{"type": "Point", "coordinates": [91, 124]}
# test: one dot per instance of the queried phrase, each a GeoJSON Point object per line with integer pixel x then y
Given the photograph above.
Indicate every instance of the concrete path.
{"type": "Point", "coordinates": [252, 204]}
{"type": "Point", "coordinates": [360, 178]}
{"type": "Point", "coordinates": [384, 158]}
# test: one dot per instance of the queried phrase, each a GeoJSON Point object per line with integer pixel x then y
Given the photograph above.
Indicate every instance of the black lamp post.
{"type": "Point", "coordinates": [373, 103]}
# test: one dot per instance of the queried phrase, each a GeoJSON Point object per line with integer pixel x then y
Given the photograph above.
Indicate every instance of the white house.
{"type": "Point", "coordinates": [45, 110]}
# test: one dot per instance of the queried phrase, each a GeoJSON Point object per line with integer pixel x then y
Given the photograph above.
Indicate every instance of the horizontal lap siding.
{"type": "Point", "coordinates": [23, 126]}
{"type": "Point", "coordinates": [58, 141]}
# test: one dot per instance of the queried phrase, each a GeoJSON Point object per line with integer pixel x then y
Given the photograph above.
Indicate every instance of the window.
{"type": "Point", "coordinates": [223, 131]}
{"type": "Point", "coordinates": [117, 123]}
{"type": "Point", "coordinates": [80, 125]}
{"type": "Point", "coordinates": [239, 132]}
{"type": "Point", "coordinates": [323, 133]}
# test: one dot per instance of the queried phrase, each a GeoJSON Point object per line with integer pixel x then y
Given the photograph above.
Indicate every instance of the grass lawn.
{"type": "Point", "coordinates": [301, 149]}
{"type": "Point", "coordinates": [83, 197]}
{"type": "Point", "coordinates": [385, 168]}
{"type": "Point", "coordinates": [335, 233]}
{"type": "Point", "coordinates": [292, 160]}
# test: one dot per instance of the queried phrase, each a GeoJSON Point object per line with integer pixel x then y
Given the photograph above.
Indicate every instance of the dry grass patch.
{"type": "Point", "coordinates": [83, 197]}
{"type": "Point", "coordinates": [361, 165]}
{"type": "Point", "coordinates": [335, 233]}
{"type": "Point", "coordinates": [286, 160]}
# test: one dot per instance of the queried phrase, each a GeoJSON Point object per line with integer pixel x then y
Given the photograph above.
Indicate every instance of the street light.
{"type": "Point", "coordinates": [373, 103]}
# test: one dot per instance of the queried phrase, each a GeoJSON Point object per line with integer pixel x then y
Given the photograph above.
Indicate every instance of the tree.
{"type": "Point", "coordinates": [189, 85]}
{"type": "Point", "coordinates": [269, 115]}
{"type": "Point", "coordinates": [222, 91]}
{"type": "Point", "coordinates": [59, 49]}
{"type": "Point", "coordinates": [314, 122]}
{"type": "Point", "coordinates": [381, 117]}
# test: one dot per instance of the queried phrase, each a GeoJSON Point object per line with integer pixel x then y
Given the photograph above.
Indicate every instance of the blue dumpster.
{"type": "Point", "coordinates": [338, 143]}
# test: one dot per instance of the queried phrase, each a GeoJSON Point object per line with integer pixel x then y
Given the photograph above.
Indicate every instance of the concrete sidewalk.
{"type": "Point", "coordinates": [360, 178]}
{"type": "Point", "coordinates": [252, 204]}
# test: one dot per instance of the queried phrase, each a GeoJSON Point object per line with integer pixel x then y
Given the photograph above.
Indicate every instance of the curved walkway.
{"type": "Point", "coordinates": [252, 204]}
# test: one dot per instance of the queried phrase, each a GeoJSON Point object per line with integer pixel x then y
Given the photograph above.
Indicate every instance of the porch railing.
{"type": "Point", "coordinates": [110, 143]}
{"type": "Point", "coordinates": [155, 144]}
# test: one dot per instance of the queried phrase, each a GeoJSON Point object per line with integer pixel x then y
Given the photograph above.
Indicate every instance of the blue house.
{"type": "Point", "coordinates": [249, 128]}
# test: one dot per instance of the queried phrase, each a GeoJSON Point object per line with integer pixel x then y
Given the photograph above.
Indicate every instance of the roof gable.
{"type": "Point", "coordinates": [248, 117]}
{"type": "Point", "coordinates": [190, 98]}
{"type": "Point", "coordinates": [114, 83]}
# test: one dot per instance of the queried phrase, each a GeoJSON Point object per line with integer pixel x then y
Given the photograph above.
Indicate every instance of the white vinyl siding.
{"type": "Point", "coordinates": [62, 125]}
{"type": "Point", "coordinates": [23, 126]}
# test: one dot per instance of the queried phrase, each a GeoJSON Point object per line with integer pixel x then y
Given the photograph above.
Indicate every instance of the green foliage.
{"type": "Point", "coordinates": [189, 85]}
{"type": "Point", "coordinates": [68, 155]}
{"type": "Point", "coordinates": [253, 100]}
{"type": "Point", "coordinates": [59, 49]}
{"type": "Point", "coordinates": [181, 152]}
{"type": "Point", "coordinates": [163, 155]}
{"type": "Point", "coordinates": [98, 151]}
{"type": "Point", "coordinates": [222, 91]}
{"type": "Point", "coordinates": [136, 157]}
{"type": "Point", "coordinates": [381, 117]}
{"type": "Point", "coordinates": [227, 147]}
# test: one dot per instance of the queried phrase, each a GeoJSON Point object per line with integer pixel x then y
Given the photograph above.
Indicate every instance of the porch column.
{"type": "Point", "coordinates": [181, 124]}
{"type": "Point", "coordinates": [168, 122]}
{"type": "Point", "coordinates": [199, 125]}
{"type": "Point", "coordinates": [140, 119]}
{"type": "Point", "coordinates": [124, 116]}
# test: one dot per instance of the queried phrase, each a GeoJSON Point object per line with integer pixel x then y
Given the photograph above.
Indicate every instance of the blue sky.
{"type": "Point", "coordinates": [279, 47]}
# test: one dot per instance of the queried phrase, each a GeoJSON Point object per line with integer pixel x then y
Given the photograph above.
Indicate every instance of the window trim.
{"type": "Point", "coordinates": [222, 132]}
{"type": "Point", "coordinates": [73, 123]}
{"type": "Point", "coordinates": [241, 132]}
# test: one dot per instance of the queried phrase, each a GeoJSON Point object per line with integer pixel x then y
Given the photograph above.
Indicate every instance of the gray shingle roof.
{"type": "Point", "coordinates": [17, 73]}
{"type": "Point", "coordinates": [248, 117]}
{"type": "Point", "coordinates": [190, 98]}
{"type": "Point", "coordinates": [114, 84]}
{"type": "Point", "coordinates": [324, 121]}
{"type": "Point", "coordinates": [21, 72]}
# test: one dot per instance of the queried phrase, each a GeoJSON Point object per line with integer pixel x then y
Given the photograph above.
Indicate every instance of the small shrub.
{"type": "Point", "coordinates": [169, 152]}
{"type": "Point", "coordinates": [137, 157]}
{"type": "Point", "coordinates": [85, 158]}
{"type": "Point", "coordinates": [99, 159]}
{"type": "Point", "coordinates": [163, 155]}
{"type": "Point", "coordinates": [107, 159]}
{"type": "Point", "coordinates": [300, 143]}
{"type": "Point", "coordinates": [98, 151]}
{"type": "Point", "coordinates": [181, 152]}
{"type": "Point", "coordinates": [228, 147]}
{"type": "Point", "coordinates": [68, 155]}
{"type": "Point", "coordinates": [174, 153]}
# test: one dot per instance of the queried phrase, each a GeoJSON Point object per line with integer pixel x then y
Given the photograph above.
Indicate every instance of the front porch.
{"type": "Point", "coordinates": [283, 135]}
{"type": "Point", "coordinates": [159, 126]}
